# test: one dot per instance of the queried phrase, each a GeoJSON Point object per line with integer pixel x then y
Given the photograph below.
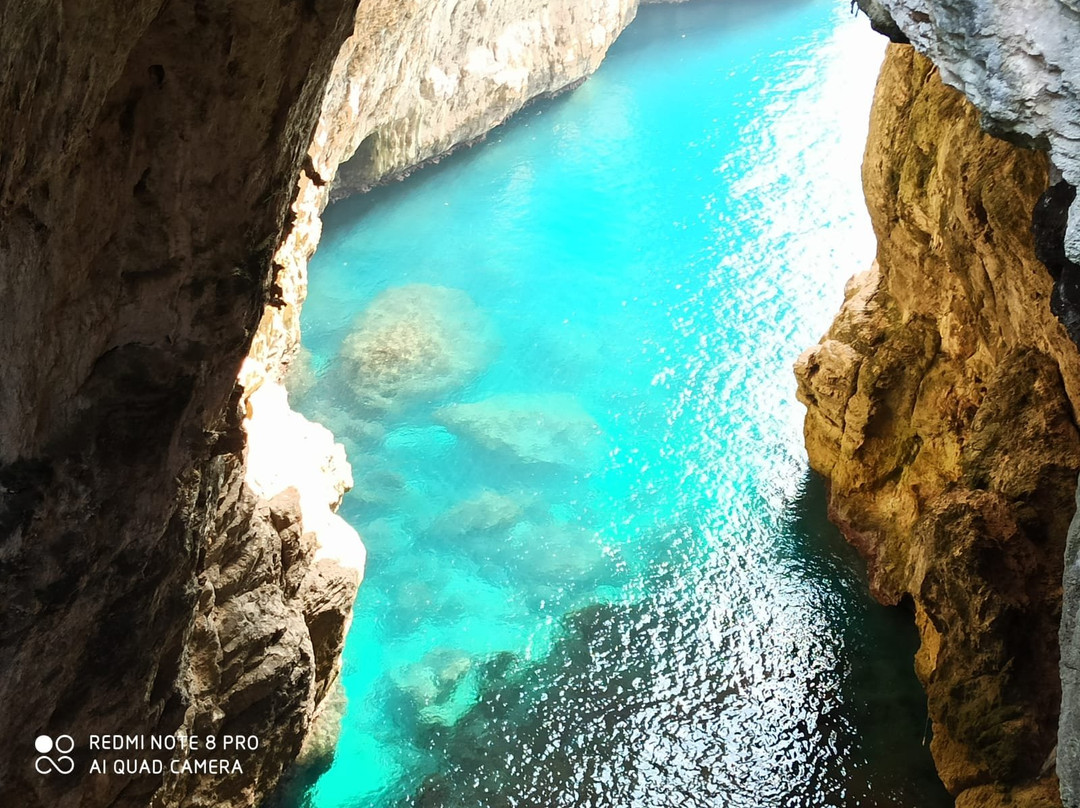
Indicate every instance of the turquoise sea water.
{"type": "Point", "coordinates": [599, 571]}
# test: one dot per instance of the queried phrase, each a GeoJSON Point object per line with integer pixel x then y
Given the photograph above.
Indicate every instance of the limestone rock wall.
{"type": "Point", "coordinates": [424, 76]}
{"type": "Point", "coordinates": [1018, 62]}
{"type": "Point", "coordinates": [149, 151]}
{"type": "Point", "coordinates": [940, 408]}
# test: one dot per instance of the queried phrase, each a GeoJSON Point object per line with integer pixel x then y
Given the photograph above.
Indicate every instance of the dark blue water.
{"type": "Point", "coordinates": [599, 573]}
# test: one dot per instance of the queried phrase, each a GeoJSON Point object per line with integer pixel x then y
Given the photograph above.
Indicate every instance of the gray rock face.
{"type": "Point", "coordinates": [1068, 754]}
{"type": "Point", "coordinates": [1018, 61]}
{"type": "Point", "coordinates": [433, 75]}
{"type": "Point", "coordinates": [881, 20]}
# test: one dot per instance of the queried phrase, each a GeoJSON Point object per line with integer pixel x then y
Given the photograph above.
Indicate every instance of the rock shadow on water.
{"type": "Point", "coordinates": [535, 725]}
{"type": "Point", "coordinates": [881, 692]}
{"type": "Point", "coordinates": [548, 428]}
{"type": "Point", "coordinates": [604, 720]}
{"type": "Point", "coordinates": [296, 790]}
{"type": "Point", "coordinates": [414, 342]}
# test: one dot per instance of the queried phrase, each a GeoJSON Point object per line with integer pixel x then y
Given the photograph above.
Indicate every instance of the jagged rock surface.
{"type": "Point", "coordinates": [148, 156]}
{"type": "Point", "coordinates": [1018, 62]}
{"type": "Point", "coordinates": [940, 408]}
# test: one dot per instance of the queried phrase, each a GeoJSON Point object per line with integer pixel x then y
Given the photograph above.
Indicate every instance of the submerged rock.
{"type": "Point", "coordinates": [549, 555]}
{"type": "Point", "coordinates": [485, 512]}
{"type": "Point", "coordinates": [414, 341]}
{"type": "Point", "coordinates": [432, 683]}
{"type": "Point", "coordinates": [559, 554]}
{"type": "Point", "coordinates": [534, 428]}
{"type": "Point", "coordinates": [375, 483]}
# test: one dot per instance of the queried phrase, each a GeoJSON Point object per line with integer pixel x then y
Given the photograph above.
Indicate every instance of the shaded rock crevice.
{"type": "Point", "coordinates": [1049, 226]}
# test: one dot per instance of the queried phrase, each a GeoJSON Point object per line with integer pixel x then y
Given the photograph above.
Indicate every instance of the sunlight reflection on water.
{"type": "Point", "coordinates": [599, 574]}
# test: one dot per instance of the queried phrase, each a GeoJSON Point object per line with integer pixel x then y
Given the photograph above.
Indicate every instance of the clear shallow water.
{"type": "Point", "coordinates": [599, 572]}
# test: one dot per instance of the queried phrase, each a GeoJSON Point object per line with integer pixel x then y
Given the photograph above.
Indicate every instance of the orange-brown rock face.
{"type": "Point", "coordinates": [940, 410]}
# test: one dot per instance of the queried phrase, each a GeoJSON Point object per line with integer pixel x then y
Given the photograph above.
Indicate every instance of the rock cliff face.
{"type": "Point", "coordinates": [940, 408]}
{"type": "Point", "coordinates": [148, 157]}
{"type": "Point", "coordinates": [1017, 61]}
{"type": "Point", "coordinates": [420, 77]}
{"type": "Point", "coordinates": [170, 557]}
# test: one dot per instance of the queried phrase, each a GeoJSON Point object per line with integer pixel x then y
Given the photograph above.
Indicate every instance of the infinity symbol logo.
{"type": "Point", "coordinates": [63, 763]}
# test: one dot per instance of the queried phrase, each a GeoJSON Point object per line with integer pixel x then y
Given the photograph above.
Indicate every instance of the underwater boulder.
{"type": "Point", "coordinates": [534, 428]}
{"type": "Point", "coordinates": [414, 341]}
{"type": "Point", "coordinates": [558, 553]}
{"type": "Point", "coordinates": [433, 684]}
{"type": "Point", "coordinates": [487, 511]}
{"type": "Point", "coordinates": [374, 483]}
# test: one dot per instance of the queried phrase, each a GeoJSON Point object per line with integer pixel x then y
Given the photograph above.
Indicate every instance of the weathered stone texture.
{"type": "Point", "coordinates": [1018, 61]}
{"type": "Point", "coordinates": [940, 408]}
{"type": "Point", "coordinates": [148, 156]}
{"type": "Point", "coordinates": [420, 77]}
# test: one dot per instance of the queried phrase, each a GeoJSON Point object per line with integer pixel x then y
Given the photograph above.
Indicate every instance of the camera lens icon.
{"type": "Point", "coordinates": [61, 762]}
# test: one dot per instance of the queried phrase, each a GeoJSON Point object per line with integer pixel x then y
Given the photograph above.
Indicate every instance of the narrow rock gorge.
{"type": "Point", "coordinates": [148, 155]}
{"type": "Point", "coordinates": [941, 412]}
{"type": "Point", "coordinates": [169, 553]}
